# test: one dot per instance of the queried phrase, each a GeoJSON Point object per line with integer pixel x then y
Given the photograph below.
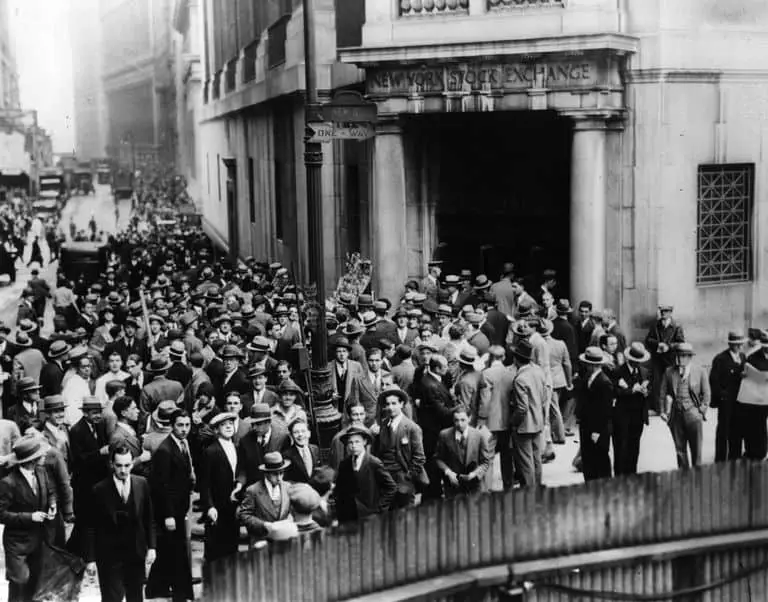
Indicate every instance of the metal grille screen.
{"type": "Point", "coordinates": [724, 219]}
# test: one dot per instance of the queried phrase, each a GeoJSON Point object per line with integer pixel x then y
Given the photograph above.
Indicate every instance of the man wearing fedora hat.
{"type": "Point", "coordinates": [527, 414]}
{"type": "Point", "coordinates": [595, 400]}
{"type": "Point", "coordinates": [52, 373]}
{"type": "Point", "coordinates": [258, 391]}
{"type": "Point", "coordinates": [26, 411]}
{"type": "Point", "coordinates": [179, 370]}
{"type": "Point", "coordinates": [724, 382]}
{"type": "Point", "coordinates": [54, 430]}
{"type": "Point", "coordinates": [663, 335]}
{"type": "Point", "coordinates": [749, 437]}
{"type": "Point", "coordinates": [347, 374]}
{"type": "Point", "coordinates": [266, 435]}
{"type": "Point", "coordinates": [28, 510]}
{"type": "Point", "coordinates": [267, 501]}
{"type": "Point", "coordinates": [630, 414]}
{"type": "Point", "coordinates": [686, 395]}
{"type": "Point", "coordinates": [130, 343]}
{"type": "Point", "coordinates": [161, 387]}
{"type": "Point", "coordinates": [430, 285]}
{"type": "Point", "coordinates": [232, 377]}
{"type": "Point", "coordinates": [363, 485]}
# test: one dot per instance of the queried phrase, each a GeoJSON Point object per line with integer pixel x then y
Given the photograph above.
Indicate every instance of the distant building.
{"type": "Point", "coordinates": [90, 101]}
{"type": "Point", "coordinates": [9, 74]}
{"type": "Point", "coordinates": [137, 61]}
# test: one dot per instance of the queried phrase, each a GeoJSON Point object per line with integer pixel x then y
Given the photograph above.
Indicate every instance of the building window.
{"type": "Point", "coordinates": [251, 195]}
{"type": "Point", "coordinates": [218, 174]}
{"type": "Point", "coordinates": [724, 219]}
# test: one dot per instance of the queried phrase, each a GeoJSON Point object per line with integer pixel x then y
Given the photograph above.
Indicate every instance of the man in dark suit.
{"type": "Point", "coordinates": [564, 330]}
{"type": "Point", "coordinates": [724, 381]}
{"type": "Point", "coordinates": [233, 378]}
{"type": "Point", "coordinates": [161, 388]}
{"type": "Point", "coordinates": [400, 447]}
{"type": "Point", "coordinates": [258, 392]}
{"type": "Point", "coordinates": [28, 510]}
{"type": "Point", "coordinates": [125, 530]}
{"type": "Point", "coordinates": [171, 481]}
{"type": "Point", "coordinates": [88, 448]}
{"type": "Point", "coordinates": [129, 343]}
{"type": "Point", "coordinates": [26, 412]}
{"type": "Point", "coordinates": [53, 372]}
{"type": "Point", "coordinates": [630, 415]}
{"type": "Point", "coordinates": [134, 384]}
{"type": "Point", "coordinates": [179, 371]}
{"type": "Point", "coordinates": [462, 456]}
{"type": "Point", "coordinates": [363, 485]}
{"type": "Point", "coordinates": [595, 412]}
{"type": "Point", "coordinates": [218, 501]}
{"type": "Point", "coordinates": [303, 455]}
{"type": "Point", "coordinates": [26, 309]}
{"type": "Point", "coordinates": [584, 325]}
{"type": "Point", "coordinates": [266, 436]}
{"type": "Point", "coordinates": [660, 341]}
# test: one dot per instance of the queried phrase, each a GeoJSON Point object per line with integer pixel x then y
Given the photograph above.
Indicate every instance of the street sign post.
{"type": "Point", "coordinates": [327, 131]}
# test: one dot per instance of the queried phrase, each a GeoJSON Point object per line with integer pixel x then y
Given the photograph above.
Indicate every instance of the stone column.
{"type": "Point", "coordinates": [388, 217]}
{"type": "Point", "coordinates": [588, 211]}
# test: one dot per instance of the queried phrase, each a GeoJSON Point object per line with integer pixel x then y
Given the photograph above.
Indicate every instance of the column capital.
{"type": "Point", "coordinates": [389, 123]}
{"type": "Point", "coordinates": [605, 119]}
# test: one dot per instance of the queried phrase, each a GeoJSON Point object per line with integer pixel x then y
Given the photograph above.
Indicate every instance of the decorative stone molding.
{"type": "Point", "coordinates": [411, 8]}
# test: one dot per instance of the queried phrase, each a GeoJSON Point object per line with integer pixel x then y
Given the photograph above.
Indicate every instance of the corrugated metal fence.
{"type": "Point", "coordinates": [500, 528]}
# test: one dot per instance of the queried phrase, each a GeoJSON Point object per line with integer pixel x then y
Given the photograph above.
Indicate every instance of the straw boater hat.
{"type": "Point", "coordinates": [52, 403]}
{"type": "Point", "coordinates": [159, 364]}
{"type": "Point", "coordinates": [468, 356]}
{"type": "Point", "coordinates": [592, 356]}
{"type": "Point", "coordinates": [164, 412]}
{"type": "Point", "coordinates": [274, 462]}
{"type": "Point", "coordinates": [637, 353]}
{"type": "Point", "coordinates": [26, 384]}
{"type": "Point", "coordinates": [736, 338]}
{"type": "Point", "coordinates": [482, 282]}
{"type": "Point", "coordinates": [223, 416]}
{"type": "Point", "coordinates": [563, 307]}
{"type": "Point", "coordinates": [545, 327]}
{"type": "Point", "coordinates": [58, 348]}
{"type": "Point", "coordinates": [91, 403]}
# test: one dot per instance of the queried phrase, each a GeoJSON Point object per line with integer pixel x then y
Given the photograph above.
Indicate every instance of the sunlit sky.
{"type": "Point", "coordinates": [40, 29]}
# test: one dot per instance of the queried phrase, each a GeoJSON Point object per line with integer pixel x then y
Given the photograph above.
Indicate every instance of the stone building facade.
{"type": "Point", "coordinates": [621, 142]}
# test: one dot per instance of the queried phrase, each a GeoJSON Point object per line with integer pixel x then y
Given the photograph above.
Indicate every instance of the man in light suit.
{"type": "Point", "coordinates": [125, 530]}
{"type": "Point", "coordinates": [346, 378]}
{"type": "Point", "coordinates": [504, 292]}
{"type": "Point", "coordinates": [462, 456]}
{"type": "Point", "coordinates": [527, 419]}
{"type": "Point", "coordinates": [268, 500]}
{"type": "Point", "coordinates": [303, 455]}
{"type": "Point", "coordinates": [430, 285]}
{"type": "Point", "coordinates": [686, 396]}
{"type": "Point", "coordinates": [374, 381]}
{"type": "Point", "coordinates": [400, 447]}
{"type": "Point", "coordinates": [363, 485]}
{"type": "Point", "coordinates": [496, 397]}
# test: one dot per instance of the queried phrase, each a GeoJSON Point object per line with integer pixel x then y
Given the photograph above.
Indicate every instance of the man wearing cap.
{"type": "Point", "coordinates": [724, 382]}
{"type": "Point", "coordinates": [363, 485]}
{"type": "Point", "coordinates": [217, 490]}
{"type": "Point", "coordinates": [595, 412]}
{"type": "Point", "coordinates": [258, 391]}
{"type": "Point", "coordinates": [171, 480]}
{"type": "Point", "coordinates": [527, 414]}
{"type": "Point", "coordinates": [125, 538]}
{"type": "Point", "coordinates": [430, 285]}
{"type": "Point", "coordinates": [347, 374]}
{"type": "Point", "coordinates": [371, 336]}
{"type": "Point", "coordinates": [232, 378]}
{"type": "Point", "coordinates": [267, 501]}
{"type": "Point", "coordinates": [630, 415]}
{"type": "Point", "coordinates": [28, 510]}
{"type": "Point", "coordinates": [748, 427]}
{"type": "Point", "coordinates": [52, 373]}
{"type": "Point", "coordinates": [468, 389]}
{"type": "Point", "coordinates": [54, 430]}
{"type": "Point", "coordinates": [26, 411]}
{"type": "Point", "coordinates": [660, 341]}
{"type": "Point", "coordinates": [686, 396]}
{"type": "Point", "coordinates": [400, 447]}
{"type": "Point", "coordinates": [161, 387]}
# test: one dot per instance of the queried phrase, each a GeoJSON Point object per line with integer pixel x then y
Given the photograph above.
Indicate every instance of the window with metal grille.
{"type": "Point", "coordinates": [724, 223]}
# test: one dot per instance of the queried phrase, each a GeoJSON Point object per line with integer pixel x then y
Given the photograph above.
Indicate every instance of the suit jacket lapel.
{"type": "Point", "coordinates": [23, 486]}
{"type": "Point", "coordinates": [266, 500]}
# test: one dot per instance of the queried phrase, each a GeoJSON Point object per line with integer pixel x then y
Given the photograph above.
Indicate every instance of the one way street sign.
{"type": "Point", "coordinates": [327, 131]}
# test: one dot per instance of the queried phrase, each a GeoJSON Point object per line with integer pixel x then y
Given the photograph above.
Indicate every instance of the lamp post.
{"type": "Point", "coordinates": [313, 164]}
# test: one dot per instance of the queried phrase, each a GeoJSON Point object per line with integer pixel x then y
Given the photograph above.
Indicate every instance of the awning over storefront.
{"type": "Point", "coordinates": [13, 178]}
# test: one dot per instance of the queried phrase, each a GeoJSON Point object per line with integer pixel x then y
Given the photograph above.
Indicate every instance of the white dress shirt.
{"type": "Point", "coordinates": [229, 449]}
{"type": "Point", "coordinates": [30, 477]}
{"type": "Point", "coordinates": [123, 487]}
{"type": "Point", "coordinates": [273, 490]}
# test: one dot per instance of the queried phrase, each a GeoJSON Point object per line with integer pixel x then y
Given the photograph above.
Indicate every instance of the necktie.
{"type": "Point", "coordinates": [124, 491]}
{"type": "Point", "coordinates": [307, 457]}
{"type": "Point", "coordinates": [33, 484]}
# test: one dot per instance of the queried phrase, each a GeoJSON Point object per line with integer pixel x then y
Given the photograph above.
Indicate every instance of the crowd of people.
{"type": "Point", "coordinates": [180, 372]}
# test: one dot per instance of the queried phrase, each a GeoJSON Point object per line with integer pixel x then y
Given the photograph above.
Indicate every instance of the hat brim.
{"type": "Point", "coordinates": [56, 408]}
{"type": "Point", "coordinates": [15, 461]}
{"type": "Point", "coordinates": [163, 368]}
{"type": "Point", "coordinates": [585, 360]}
{"type": "Point", "coordinates": [466, 362]}
{"type": "Point", "coordinates": [16, 343]}
{"type": "Point", "coordinates": [344, 436]}
{"type": "Point", "coordinates": [281, 468]}
{"type": "Point", "coordinates": [398, 392]}
{"type": "Point", "coordinates": [637, 360]}
{"type": "Point", "coordinates": [66, 350]}
{"type": "Point", "coordinates": [482, 287]}
{"type": "Point", "coordinates": [346, 346]}
{"type": "Point", "coordinates": [740, 341]}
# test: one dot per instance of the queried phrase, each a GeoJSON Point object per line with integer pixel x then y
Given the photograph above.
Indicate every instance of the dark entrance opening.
{"type": "Point", "coordinates": [502, 191]}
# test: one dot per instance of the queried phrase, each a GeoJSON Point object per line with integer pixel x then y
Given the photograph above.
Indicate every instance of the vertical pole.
{"type": "Point", "coordinates": [35, 180]}
{"type": "Point", "coordinates": [313, 163]}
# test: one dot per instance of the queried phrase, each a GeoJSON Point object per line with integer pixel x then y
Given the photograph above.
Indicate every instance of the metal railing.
{"type": "Point", "coordinates": [410, 8]}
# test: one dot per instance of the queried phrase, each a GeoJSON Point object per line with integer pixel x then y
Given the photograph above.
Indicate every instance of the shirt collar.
{"type": "Point", "coordinates": [28, 474]}
{"type": "Point", "coordinates": [273, 490]}
{"type": "Point", "coordinates": [592, 377]}
{"type": "Point", "coordinates": [735, 355]}
{"type": "Point", "coordinates": [120, 485]}
{"type": "Point", "coordinates": [178, 441]}
{"type": "Point", "coordinates": [127, 427]}
{"type": "Point", "coordinates": [358, 461]}
{"type": "Point", "coordinates": [395, 422]}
